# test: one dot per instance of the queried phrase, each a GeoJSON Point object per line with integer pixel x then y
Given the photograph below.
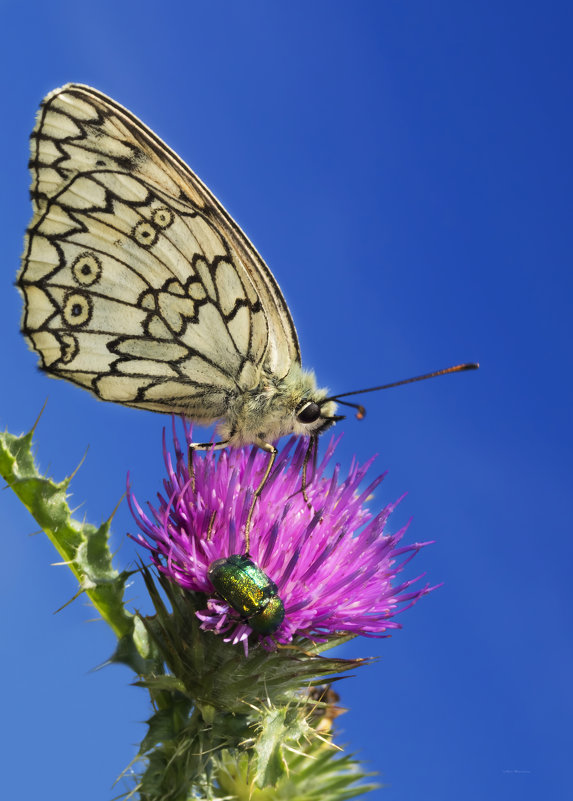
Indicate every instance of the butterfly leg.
{"type": "Point", "coordinates": [266, 446]}
{"type": "Point", "coordinates": [210, 529]}
{"type": "Point", "coordinates": [201, 446]}
{"type": "Point", "coordinates": [310, 451]}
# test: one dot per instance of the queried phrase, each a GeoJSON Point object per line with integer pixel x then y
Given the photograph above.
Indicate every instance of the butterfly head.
{"type": "Point", "coordinates": [307, 409]}
{"type": "Point", "coordinates": [316, 416]}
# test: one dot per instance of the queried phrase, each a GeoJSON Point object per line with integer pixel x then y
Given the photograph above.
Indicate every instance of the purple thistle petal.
{"type": "Point", "coordinates": [334, 566]}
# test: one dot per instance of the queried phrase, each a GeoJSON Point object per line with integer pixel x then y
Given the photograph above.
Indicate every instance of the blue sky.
{"type": "Point", "coordinates": [405, 170]}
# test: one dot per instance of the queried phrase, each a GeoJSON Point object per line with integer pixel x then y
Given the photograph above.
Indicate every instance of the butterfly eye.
{"type": "Point", "coordinates": [308, 413]}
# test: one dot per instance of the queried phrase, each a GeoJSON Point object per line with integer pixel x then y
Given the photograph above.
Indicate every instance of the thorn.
{"type": "Point", "coordinates": [72, 599]}
{"type": "Point", "coordinates": [69, 478]}
{"type": "Point", "coordinates": [38, 417]}
{"type": "Point", "coordinates": [116, 507]}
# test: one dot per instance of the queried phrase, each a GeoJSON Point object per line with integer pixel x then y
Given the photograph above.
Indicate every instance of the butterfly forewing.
{"type": "Point", "coordinates": [138, 285]}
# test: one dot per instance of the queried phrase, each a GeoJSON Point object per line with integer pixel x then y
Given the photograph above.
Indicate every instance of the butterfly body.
{"type": "Point", "coordinates": [139, 287]}
{"type": "Point", "coordinates": [269, 410]}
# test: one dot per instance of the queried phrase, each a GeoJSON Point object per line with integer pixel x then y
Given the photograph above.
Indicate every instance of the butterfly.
{"type": "Point", "coordinates": [139, 287]}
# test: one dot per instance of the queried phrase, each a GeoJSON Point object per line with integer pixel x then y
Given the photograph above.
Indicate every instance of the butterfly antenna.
{"type": "Point", "coordinates": [361, 411]}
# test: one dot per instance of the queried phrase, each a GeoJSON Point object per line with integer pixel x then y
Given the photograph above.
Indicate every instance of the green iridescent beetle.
{"type": "Point", "coordinates": [249, 591]}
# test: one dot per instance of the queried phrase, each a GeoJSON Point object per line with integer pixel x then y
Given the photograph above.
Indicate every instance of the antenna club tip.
{"type": "Point", "coordinates": [472, 366]}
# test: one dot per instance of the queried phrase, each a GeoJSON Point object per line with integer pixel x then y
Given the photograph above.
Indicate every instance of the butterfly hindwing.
{"type": "Point", "coordinates": [137, 284]}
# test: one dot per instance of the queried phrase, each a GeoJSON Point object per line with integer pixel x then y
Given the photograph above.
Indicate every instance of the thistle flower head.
{"type": "Point", "coordinates": [334, 567]}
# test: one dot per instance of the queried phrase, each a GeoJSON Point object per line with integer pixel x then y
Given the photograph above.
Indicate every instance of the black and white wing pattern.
{"type": "Point", "coordinates": [138, 285]}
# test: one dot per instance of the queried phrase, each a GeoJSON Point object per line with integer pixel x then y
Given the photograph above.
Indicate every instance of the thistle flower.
{"type": "Point", "coordinates": [334, 567]}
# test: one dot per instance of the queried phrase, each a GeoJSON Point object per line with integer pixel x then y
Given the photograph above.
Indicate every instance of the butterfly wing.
{"type": "Point", "coordinates": [137, 283]}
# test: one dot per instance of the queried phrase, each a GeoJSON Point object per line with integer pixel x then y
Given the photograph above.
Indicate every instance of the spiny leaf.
{"type": "Point", "coordinates": [82, 546]}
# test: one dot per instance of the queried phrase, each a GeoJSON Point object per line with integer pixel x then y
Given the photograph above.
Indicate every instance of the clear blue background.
{"type": "Point", "coordinates": [405, 169]}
